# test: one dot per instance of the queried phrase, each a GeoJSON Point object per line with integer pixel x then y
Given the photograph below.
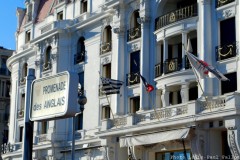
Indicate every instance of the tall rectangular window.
{"type": "Point", "coordinates": [106, 112]}
{"type": "Point", "coordinates": [22, 101]}
{"type": "Point", "coordinates": [231, 85]}
{"type": "Point", "coordinates": [226, 37]}
{"type": "Point", "coordinates": [135, 62]}
{"type": "Point", "coordinates": [20, 134]}
{"type": "Point", "coordinates": [44, 128]}
{"type": "Point", "coordinates": [81, 81]}
{"type": "Point", "coordinates": [134, 104]}
{"type": "Point", "coordinates": [83, 6]}
{"type": "Point", "coordinates": [60, 15]}
{"type": "Point", "coordinates": [79, 122]}
{"type": "Point", "coordinates": [106, 72]}
{"type": "Point", "coordinates": [27, 36]}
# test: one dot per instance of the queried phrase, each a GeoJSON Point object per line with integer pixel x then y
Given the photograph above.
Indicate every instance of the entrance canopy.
{"type": "Point", "coordinates": [151, 138]}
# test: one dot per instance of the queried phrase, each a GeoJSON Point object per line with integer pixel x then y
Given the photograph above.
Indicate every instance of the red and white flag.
{"type": "Point", "coordinates": [202, 67]}
{"type": "Point", "coordinates": [149, 88]}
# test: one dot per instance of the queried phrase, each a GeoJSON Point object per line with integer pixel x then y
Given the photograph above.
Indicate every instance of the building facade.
{"type": "Point", "coordinates": [5, 85]}
{"type": "Point", "coordinates": [184, 117]}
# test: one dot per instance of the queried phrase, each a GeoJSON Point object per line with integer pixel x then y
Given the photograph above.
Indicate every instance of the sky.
{"type": "Point", "coordinates": [9, 22]}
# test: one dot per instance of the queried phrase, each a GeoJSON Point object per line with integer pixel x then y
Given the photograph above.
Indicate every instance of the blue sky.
{"type": "Point", "coordinates": [9, 22]}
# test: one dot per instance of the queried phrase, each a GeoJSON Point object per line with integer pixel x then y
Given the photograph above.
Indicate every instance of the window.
{"type": "Point", "coordinates": [27, 36]}
{"type": "Point", "coordinates": [173, 155]}
{"type": "Point", "coordinates": [135, 62]}
{"type": "Point", "coordinates": [135, 28]}
{"type": "Point", "coordinates": [106, 72]}
{"type": "Point", "coordinates": [79, 122]}
{"type": "Point", "coordinates": [83, 6]}
{"type": "Point", "coordinates": [106, 112]}
{"type": "Point", "coordinates": [3, 69]}
{"type": "Point", "coordinates": [20, 134]}
{"type": "Point", "coordinates": [193, 91]}
{"type": "Point", "coordinates": [24, 73]}
{"type": "Point", "coordinates": [231, 85]}
{"type": "Point", "coordinates": [60, 15]}
{"type": "Point", "coordinates": [132, 77]}
{"type": "Point", "coordinates": [44, 127]}
{"type": "Point", "coordinates": [22, 101]}
{"type": "Point", "coordinates": [47, 61]}
{"type": "Point", "coordinates": [8, 86]}
{"type": "Point", "coordinates": [81, 81]}
{"type": "Point", "coordinates": [227, 37]}
{"type": "Point", "coordinates": [80, 56]}
{"type": "Point", "coordinates": [3, 88]}
{"type": "Point", "coordinates": [106, 45]}
{"type": "Point", "coordinates": [134, 104]}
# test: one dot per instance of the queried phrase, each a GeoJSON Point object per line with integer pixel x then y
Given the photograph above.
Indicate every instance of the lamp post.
{"type": "Point", "coordinates": [82, 100]}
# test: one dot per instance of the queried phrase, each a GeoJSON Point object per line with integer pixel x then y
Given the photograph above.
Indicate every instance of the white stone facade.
{"type": "Point", "coordinates": [118, 39]}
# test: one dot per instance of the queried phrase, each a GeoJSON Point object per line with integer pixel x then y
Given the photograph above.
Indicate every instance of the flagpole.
{"type": "Point", "coordinates": [110, 108]}
{"type": "Point", "coordinates": [151, 104]}
{"type": "Point", "coordinates": [108, 102]}
{"type": "Point", "coordinates": [197, 78]}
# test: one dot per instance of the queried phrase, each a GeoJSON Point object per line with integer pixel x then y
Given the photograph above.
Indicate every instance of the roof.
{"type": "Point", "coordinates": [44, 9]}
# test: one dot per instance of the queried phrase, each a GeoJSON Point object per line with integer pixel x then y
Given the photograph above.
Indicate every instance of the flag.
{"type": "Point", "coordinates": [202, 67]}
{"type": "Point", "coordinates": [149, 87]}
{"type": "Point", "coordinates": [111, 86]}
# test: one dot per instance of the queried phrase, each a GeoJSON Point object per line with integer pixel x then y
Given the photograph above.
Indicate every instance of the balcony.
{"type": "Point", "coordinates": [79, 57]}
{"type": "Point", "coordinates": [132, 78]}
{"type": "Point", "coordinates": [219, 106]}
{"type": "Point", "coordinates": [133, 33]}
{"type": "Point", "coordinates": [177, 15]}
{"type": "Point", "coordinates": [105, 47]}
{"type": "Point", "coordinates": [158, 70]}
{"type": "Point", "coordinates": [225, 51]}
{"type": "Point", "coordinates": [172, 65]}
{"type": "Point", "coordinates": [220, 3]}
{"type": "Point", "coordinates": [55, 25]}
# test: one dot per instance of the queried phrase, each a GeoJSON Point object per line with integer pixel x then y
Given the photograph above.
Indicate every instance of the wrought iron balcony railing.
{"type": "Point", "coordinates": [47, 66]}
{"type": "Point", "coordinates": [225, 51]}
{"type": "Point", "coordinates": [134, 33]}
{"type": "Point", "coordinates": [177, 15]}
{"type": "Point", "coordinates": [105, 47]}
{"type": "Point", "coordinates": [220, 3]}
{"type": "Point", "coordinates": [132, 78]}
{"type": "Point", "coordinates": [79, 57]}
{"type": "Point", "coordinates": [172, 65]}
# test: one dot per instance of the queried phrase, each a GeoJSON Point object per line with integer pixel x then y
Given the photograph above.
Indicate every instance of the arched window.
{"type": "Point", "coordinates": [135, 28]}
{"type": "Point", "coordinates": [80, 56]}
{"type": "Point", "coordinates": [106, 45]}
{"type": "Point", "coordinates": [24, 73]}
{"type": "Point", "coordinates": [47, 60]}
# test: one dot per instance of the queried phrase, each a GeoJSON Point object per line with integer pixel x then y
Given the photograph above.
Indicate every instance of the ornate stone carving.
{"type": "Point", "coordinates": [234, 142]}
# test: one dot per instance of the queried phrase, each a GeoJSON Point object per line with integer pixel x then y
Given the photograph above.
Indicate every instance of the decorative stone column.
{"type": "Point", "coordinates": [165, 97]}
{"type": "Point", "coordinates": [144, 61]}
{"type": "Point", "coordinates": [118, 50]}
{"type": "Point", "coordinates": [165, 53]}
{"type": "Point", "coordinates": [185, 92]}
{"type": "Point", "coordinates": [233, 128]}
{"type": "Point", "coordinates": [184, 42]}
{"type": "Point", "coordinates": [198, 144]}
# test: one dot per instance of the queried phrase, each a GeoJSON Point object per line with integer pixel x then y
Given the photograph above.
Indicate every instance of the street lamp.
{"type": "Point", "coordinates": [82, 100]}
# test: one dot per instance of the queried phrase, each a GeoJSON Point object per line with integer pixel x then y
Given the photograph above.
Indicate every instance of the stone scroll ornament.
{"type": "Point", "coordinates": [233, 142]}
